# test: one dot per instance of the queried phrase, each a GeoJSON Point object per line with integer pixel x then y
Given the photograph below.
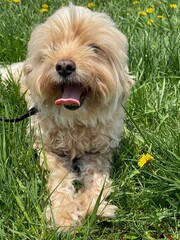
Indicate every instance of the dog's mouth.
{"type": "Point", "coordinates": [72, 96]}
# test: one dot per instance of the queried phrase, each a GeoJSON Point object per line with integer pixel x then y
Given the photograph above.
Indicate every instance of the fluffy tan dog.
{"type": "Point", "coordinates": [76, 74]}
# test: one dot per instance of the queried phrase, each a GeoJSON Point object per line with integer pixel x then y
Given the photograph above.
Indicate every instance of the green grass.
{"type": "Point", "coordinates": [148, 198]}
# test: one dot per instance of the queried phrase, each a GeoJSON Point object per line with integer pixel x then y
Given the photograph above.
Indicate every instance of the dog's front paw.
{"type": "Point", "coordinates": [107, 210]}
{"type": "Point", "coordinates": [64, 217]}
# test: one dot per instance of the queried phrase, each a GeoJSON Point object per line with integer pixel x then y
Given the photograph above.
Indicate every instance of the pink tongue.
{"type": "Point", "coordinates": [71, 95]}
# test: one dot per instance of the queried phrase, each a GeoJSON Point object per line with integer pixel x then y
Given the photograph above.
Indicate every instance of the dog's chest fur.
{"type": "Point", "coordinates": [75, 141]}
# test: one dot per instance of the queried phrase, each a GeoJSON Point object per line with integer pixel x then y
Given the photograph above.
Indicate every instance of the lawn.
{"type": "Point", "coordinates": [148, 196]}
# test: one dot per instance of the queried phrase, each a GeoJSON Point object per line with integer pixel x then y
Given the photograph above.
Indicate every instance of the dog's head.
{"type": "Point", "coordinates": [77, 62]}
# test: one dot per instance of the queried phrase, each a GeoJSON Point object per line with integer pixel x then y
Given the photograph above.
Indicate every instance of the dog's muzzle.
{"type": "Point", "coordinates": [73, 94]}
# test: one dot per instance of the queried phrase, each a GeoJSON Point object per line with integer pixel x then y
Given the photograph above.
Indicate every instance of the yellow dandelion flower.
{"type": "Point", "coordinates": [150, 10]}
{"type": "Point", "coordinates": [173, 5]}
{"type": "Point", "coordinates": [16, 1]}
{"type": "Point", "coordinates": [150, 22]}
{"type": "Point", "coordinates": [135, 2]}
{"type": "Point", "coordinates": [143, 13]}
{"type": "Point", "coordinates": [44, 5]}
{"type": "Point", "coordinates": [44, 10]}
{"type": "Point", "coordinates": [8, 1]}
{"type": "Point", "coordinates": [91, 5]}
{"type": "Point", "coordinates": [160, 16]}
{"type": "Point", "coordinates": [144, 159]}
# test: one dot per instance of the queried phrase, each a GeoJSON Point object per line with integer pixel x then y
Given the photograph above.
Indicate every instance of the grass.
{"type": "Point", "coordinates": [149, 197]}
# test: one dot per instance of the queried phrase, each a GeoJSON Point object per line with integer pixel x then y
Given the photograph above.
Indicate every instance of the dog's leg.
{"type": "Point", "coordinates": [63, 211]}
{"type": "Point", "coordinates": [95, 175]}
{"type": "Point", "coordinates": [12, 71]}
{"type": "Point", "coordinates": [15, 72]}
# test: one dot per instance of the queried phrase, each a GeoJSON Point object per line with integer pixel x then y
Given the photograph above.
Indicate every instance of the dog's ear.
{"type": "Point", "coordinates": [131, 81]}
{"type": "Point", "coordinates": [127, 84]}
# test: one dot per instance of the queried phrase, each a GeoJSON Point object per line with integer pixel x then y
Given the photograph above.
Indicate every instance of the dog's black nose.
{"type": "Point", "coordinates": [65, 67]}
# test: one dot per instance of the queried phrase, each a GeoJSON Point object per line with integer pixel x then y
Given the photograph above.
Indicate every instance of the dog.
{"type": "Point", "coordinates": [76, 74]}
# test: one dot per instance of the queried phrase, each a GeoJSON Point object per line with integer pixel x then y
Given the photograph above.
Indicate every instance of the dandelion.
{"type": "Point", "coordinates": [44, 10]}
{"type": "Point", "coordinates": [8, 1]}
{"type": "Point", "coordinates": [135, 2]}
{"type": "Point", "coordinates": [91, 5]}
{"type": "Point", "coordinates": [143, 13]}
{"type": "Point", "coordinates": [144, 159]}
{"type": "Point", "coordinates": [16, 1]}
{"type": "Point", "coordinates": [150, 10]}
{"type": "Point", "coordinates": [150, 22]}
{"type": "Point", "coordinates": [173, 5]}
{"type": "Point", "coordinates": [160, 16]}
{"type": "Point", "coordinates": [44, 5]}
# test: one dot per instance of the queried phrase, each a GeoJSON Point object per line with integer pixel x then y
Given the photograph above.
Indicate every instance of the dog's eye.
{"type": "Point", "coordinates": [95, 47]}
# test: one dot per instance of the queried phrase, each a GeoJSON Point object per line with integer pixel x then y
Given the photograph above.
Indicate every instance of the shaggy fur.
{"type": "Point", "coordinates": [77, 144]}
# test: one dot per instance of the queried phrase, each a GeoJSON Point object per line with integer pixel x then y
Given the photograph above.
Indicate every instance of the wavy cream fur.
{"type": "Point", "coordinates": [87, 136]}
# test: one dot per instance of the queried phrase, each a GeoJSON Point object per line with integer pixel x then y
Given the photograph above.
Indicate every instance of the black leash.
{"type": "Point", "coordinates": [29, 113]}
